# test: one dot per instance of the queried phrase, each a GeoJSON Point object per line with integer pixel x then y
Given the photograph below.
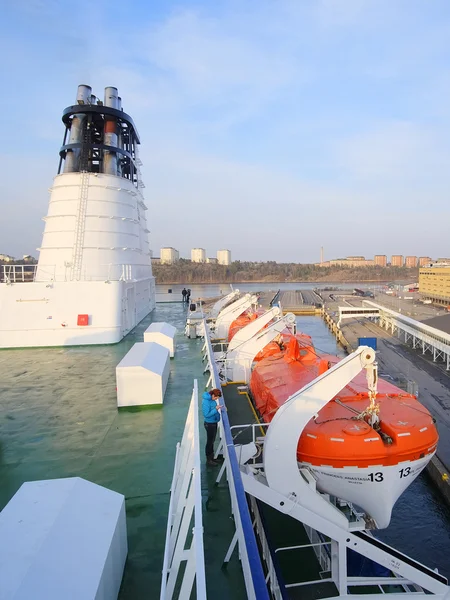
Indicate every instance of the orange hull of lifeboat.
{"type": "Point", "coordinates": [349, 459]}
{"type": "Point", "coordinates": [279, 374]}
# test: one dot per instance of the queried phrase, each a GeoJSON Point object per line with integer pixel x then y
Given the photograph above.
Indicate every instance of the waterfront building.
{"type": "Point", "coordinates": [424, 260]}
{"type": "Point", "coordinates": [212, 261]}
{"type": "Point", "coordinates": [397, 260]}
{"type": "Point", "coordinates": [434, 284]}
{"type": "Point", "coordinates": [411, 261]}
{"type": "Point", "coordinates": [350, 261]}
{"type": "Point", "coordinates": [224, 257]}
{"type": "Point", "coordinates": [169, 256]}
{"type": "Point", "coordinates": [198, 255]}
{"type": "Point", "coordinates": [380, 260]}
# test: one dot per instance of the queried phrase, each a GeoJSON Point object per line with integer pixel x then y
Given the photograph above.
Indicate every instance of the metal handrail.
{"type": "Point", "coordinates": [185, 501]}
{"type": "Point", "coordinates": [23, 273]}
{"type": "Point", "coordinates": [251, 563]}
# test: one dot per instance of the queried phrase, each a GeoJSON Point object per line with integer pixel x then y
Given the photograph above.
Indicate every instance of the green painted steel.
{"type": "Point", "coordinates": [59, 418]}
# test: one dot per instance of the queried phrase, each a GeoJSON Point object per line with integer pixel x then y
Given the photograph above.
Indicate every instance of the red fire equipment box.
{"type": "Point", "coordinates": [83, 320]}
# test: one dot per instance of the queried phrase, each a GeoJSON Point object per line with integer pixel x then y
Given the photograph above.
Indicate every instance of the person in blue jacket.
{"type": "Point", "coordinates": [211, 415]}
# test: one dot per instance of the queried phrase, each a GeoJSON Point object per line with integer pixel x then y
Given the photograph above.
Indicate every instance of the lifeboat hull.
{"type": "Point", "coordinates": [374, 489]}
{"type": "Point", "coordinates": [369, 467]}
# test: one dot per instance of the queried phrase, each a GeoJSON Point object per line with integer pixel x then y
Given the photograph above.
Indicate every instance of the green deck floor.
{"type": "Point", "coordinates": [59, 418]}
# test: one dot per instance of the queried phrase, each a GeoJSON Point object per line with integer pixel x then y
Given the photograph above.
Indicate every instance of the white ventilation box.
{"type": "Point", "coordinates": [62, 539]}
{"type": "Point", "coordinates": [142, 375]}
{"type": "Point", "coordinates": [162, 333]}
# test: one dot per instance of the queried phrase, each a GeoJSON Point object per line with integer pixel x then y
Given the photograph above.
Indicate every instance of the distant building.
{"type": "Point", "coordinates": [198, 255]}
{"type": "Point", "coordinates": [350, 261]}
{"type": "Point", "coordinates": [397, 260]}
{"type": "Point", "coordinates": [169, 256]}
{"type": "Point", "coordinates": [424, 260]}
{"type": "Point", "coordinates": [380, 260]}
{"type": "Point", "coordinates": [6, 258]}
{"type": "Point", "coordinates": [28, 258]}
{"type": "Point", "coordinates": [156, 260]}
{"type": "Point", "coordinates": [411, 261]}
{"type": "Point", "coordinates": [212, 261]}
{"type": "Point", "coordinates": [434, 284]}
{"type": "Point", "coordinates": [443, 260]}
{"type": "Point", "coordinates": [224, 257]}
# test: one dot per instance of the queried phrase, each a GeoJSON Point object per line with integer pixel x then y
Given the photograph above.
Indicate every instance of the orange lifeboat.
{"type": "Point", "coordinates": [369, 466]}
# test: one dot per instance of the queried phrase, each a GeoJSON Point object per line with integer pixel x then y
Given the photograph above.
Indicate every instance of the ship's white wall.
{"type": "Point", "coordinates": [113, 230]}
{"type": "Point", "coordinates": [45, 314]}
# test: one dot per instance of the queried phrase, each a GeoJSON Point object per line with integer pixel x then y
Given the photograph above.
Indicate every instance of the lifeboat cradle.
{"type": "Point", "coordinates": [268, 471]}
{"type": "Point", "coordinates": [222, 314]}
{"type": "Point", "coordinates": [195, 318]}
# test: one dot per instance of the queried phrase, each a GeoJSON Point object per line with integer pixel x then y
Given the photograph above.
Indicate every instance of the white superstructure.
{"type": "Point", "coordinates": [224, 257]}
{"type": "Point", "coordinates": [93, 282]}
{"type": "Point", "coordinates": [198, 255]}
{"type": "Point", "coordinates": [168, 256]}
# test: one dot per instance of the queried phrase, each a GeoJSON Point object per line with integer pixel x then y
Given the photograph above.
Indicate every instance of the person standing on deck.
{"type": "Point", "coordinates": [184, 294]}
{"type": "Point", "coordinates": [211, 415]}
{"type": "Point", "coordinates": [188, 295]}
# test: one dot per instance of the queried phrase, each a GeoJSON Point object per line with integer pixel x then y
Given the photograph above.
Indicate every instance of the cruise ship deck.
{"type": "Point", "coordinates": [59, 418]}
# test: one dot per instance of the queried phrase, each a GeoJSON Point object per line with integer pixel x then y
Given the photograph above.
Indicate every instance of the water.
{"type": "Point", "coordinates": [209, 290]}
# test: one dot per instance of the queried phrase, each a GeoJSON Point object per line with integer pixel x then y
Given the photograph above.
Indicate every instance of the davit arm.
{"type": "Point", "coordinates": [231, 312]}
{"type": "Point", "coordinates": [239, 359]}
{"type": "Point", "coordinates": [280, 445]}
{"type": "Point", "coordinates": [222, 303]}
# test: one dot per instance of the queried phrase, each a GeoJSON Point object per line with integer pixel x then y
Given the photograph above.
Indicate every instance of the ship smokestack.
{"type": "Point", "coordinates": [100, 137]}
{"type": "Point", "coordinates": [110, 135]}
{"type": "Point", "coordinates": [76, 131]}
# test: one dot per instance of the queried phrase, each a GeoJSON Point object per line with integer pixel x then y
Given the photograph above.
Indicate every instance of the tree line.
{"type": "Point", "coordinates": [184, 271]}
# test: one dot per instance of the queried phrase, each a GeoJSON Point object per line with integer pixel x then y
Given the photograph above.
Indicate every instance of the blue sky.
{"type": "Point", "coordinates": [268, 127]}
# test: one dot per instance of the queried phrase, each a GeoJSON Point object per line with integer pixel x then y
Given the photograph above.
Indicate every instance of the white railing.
{"type": "Point", "coordinates": [185, 506]}
{"type": "Point", "coordinates": [47, 273]}
{"type": "Point", "coordinates": [244, 536]}
{"type": "Point", "coordinates": [17, 273]}
{"type": "Point", "coordinates": [431, 339]}
{"type": "Point", "coordinates": [272, 576]}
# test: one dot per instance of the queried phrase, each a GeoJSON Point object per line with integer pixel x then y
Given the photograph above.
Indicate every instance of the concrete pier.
{"type": "Point", "coordinates": [300, 302]}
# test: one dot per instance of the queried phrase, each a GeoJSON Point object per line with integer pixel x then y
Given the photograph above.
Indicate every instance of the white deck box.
{"type": "Point", "coordinates": [62, 538]}
{"type": "Point", "coordinates": [162, 333]}
{"type": "Point", "coordinates": [142, 375]}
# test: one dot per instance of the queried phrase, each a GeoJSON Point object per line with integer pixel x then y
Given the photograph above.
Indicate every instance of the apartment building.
{"type": "Point", "coordinates": [224, 257]}
{"type": "Point", "coordinates": [198, 255]}
{"type": "Point", "coordinates": [169, 256]}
